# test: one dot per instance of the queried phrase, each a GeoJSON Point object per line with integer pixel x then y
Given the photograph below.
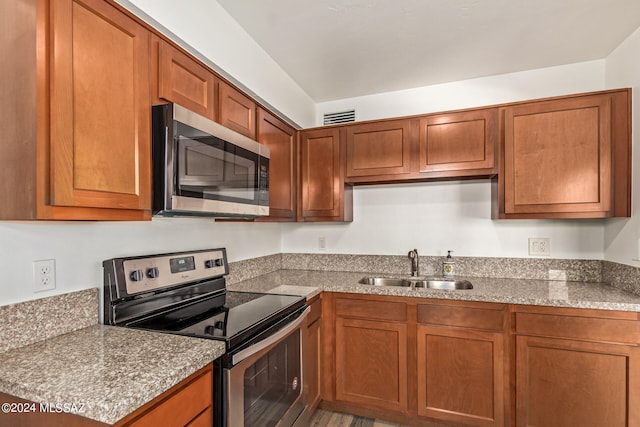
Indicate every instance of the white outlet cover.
{"type": "Point", "coordinates": [539, 246]}
{"type": "Point", "coordinates": [44, 275]}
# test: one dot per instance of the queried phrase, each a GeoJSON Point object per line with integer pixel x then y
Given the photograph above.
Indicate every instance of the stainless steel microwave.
{"type": "Point", "coordinates": [202, 168]}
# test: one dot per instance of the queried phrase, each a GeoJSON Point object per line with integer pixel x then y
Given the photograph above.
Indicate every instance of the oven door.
{"type": "Point", "coordinates": [265, 385]}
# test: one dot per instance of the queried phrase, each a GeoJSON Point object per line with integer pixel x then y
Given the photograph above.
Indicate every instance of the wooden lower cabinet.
{"type": "Point", "coordinates": [577, 368]}
{"type": "Point", "coordinates": [565, 383]}
{"type": "Point", "coordinates": [312, 359]}
{"type": "Point", "coordinates": [371, 366]}
{"type": "Point", "coordinates": [413, 363]}
{"type": "Point", "coordinates": [187, 404]}
{"type": "Point", "coordinates": [460, 375]}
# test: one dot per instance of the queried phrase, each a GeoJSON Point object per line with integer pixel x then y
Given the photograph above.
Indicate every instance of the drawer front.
{"type": "Point", "coordinates": [316, 311]}
{"type": "Point", "coordinates": [490, 319]}
{"type": "Point", "coordinates": [181, 407]}
{"type": "Point", "coordinates": [581, 328]}
{"type": "Point", "coordinates": [377, 310]}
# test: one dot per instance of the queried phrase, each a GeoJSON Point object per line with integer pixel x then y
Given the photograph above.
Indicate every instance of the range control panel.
{"type": "Point", "coordinates": [144, 274]}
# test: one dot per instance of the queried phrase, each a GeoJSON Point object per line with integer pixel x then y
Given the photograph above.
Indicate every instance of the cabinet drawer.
{"type": "Point", "coordinates": [183, 406]}
{"type": "Point", "coordinates": [316, 311]}
{"type": "Point", "coordinates": [581, 328]}
{"type": "Point", "coordinates": [377, 310]}
{"type": "Point", "coordinates": [490, 318]}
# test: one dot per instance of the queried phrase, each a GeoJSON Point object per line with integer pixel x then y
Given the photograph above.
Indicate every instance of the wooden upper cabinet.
{"type": "Point", "coordinates": [100, 130]}
{"type": "Point", "coordinates": [236, 110]}
{"type": "Point", "coordinates": [323, 194]}
{"type": "Point", "coordinates": [566, 158]}
{"type": "Point", "coordinates": [182, 80]}
{"type": "Point", "coordinates": [457, 144]}
{"type": "Point", "coordinates": [281, 140]}
{"type": "Point", "coordinates": [378, 151]}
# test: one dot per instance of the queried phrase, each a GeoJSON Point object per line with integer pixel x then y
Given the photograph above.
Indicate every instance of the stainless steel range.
{"type": "Point", "coordinates": [258, 382]}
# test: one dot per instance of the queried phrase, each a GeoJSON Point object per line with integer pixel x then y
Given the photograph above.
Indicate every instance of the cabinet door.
{"type": "Point", "coordinates": [312, 356]}
{"type": "Point", "coordinates": [460, 375]}
{"type": "Point", "coordinates": [100, 110]}
{"type": "Point", "coordinates": [237, 111]}
{"type": "Point", "coordinates": [378, 151]}
{"type": "Point", "coordinates": [558, 157]}
{"type": "Point", "coordinates": [281, 140]}
{"type": "Point", "coordinates": [564, 383]}
{"type": "Point", "coordinates": [459, 144]}
{"type": "Point", "coordinates": [371, 363]}
{"type": "Point", "coordinates": [323, 194]}
{"type": "Point", "coordinates": [184, 81]}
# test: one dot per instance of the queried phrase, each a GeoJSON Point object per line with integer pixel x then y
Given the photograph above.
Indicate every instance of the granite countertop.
{"type": "Point", "coordinates": [107, 371]}
{"type": "Point", "coordinates": [511, 291]}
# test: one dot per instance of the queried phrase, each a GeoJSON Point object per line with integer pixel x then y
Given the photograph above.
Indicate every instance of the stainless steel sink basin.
{"type": "Point", "coordinates": [444, 284]}
{"type": "Point", "coordinates": [384, 281]}
{"type": "Point", "coordinates": [428, 283]}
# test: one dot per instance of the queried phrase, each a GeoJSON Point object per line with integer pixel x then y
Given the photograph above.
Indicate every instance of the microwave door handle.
{"type": "Point", "coordinates": [272, 339]}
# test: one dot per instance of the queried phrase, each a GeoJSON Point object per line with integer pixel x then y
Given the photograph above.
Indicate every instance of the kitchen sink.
{"type": "Point", "coordinates": [427, 283]}
{"type": "Point", "coordinates": [444, 284]}
{"type": "Point", "coordinates": [385, 281]}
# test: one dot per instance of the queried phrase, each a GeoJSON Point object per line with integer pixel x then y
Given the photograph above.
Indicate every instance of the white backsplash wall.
{"type": "Point", "coordinates": [622, 236]}
{"type": "Point", "coordinates": [80, 247]}
{"type": "Point", "coordinates": [436, 217]}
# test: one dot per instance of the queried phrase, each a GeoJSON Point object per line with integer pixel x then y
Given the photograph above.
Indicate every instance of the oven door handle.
{"type": "Point", "coordinates": [261, 345]}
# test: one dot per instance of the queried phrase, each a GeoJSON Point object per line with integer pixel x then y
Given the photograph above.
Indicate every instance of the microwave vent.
{"type": "Point", "coordinates": [341, 117]}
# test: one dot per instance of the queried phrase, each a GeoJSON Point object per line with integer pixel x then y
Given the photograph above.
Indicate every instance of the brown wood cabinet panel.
{"type": "Point", "coordinates": [184, 81]}
{"type": "Point", "coordinates": [100, 121]}
{"type": "Point", "coordinates": [491, 317]}
{"type": "Point", "coordinates": [559, 157]}
{"type": "Point", "coordinates": [236, 110]}
{"type": "Point", "coordinates": [583, 328]}
{"type": "Point", "coordinates": [563, 383]}
{"type": "Point", "coordinates": [460, 376]}
{"type": "Point", "coordinates": [312, 363]}
{"type": "Point", "coordinates": [378, 150]}
{"type": "Point", "coordinates": [323, 194]}
{"type": "Point", "coordinates": [368, 309]}
{"type": "Point", "coordinates": [459, 143]}
{"type": "Point", "coordinates": [281, 140]}
{"type": "Point", "coordinates": [188, 403]}
{"type": "Point", "coordinates": [371, 363]}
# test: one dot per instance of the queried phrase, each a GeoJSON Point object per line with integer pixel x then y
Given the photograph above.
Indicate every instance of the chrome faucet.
{"type": "Point", "coordinates": [415, 266]}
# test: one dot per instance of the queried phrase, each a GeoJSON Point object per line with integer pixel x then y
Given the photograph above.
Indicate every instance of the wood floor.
{"type": "Point", "coordinates": [323, 418]}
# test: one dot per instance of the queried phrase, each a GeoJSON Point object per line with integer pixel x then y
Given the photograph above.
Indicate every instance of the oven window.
{"type": "Point", "coordinates": [272, 384]}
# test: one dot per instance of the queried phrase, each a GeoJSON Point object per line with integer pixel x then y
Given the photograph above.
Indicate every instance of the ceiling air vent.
{"type": "Point", "coordinates": [341, 117]}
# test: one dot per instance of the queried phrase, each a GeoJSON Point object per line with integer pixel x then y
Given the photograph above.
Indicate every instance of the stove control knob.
{"type": "Point", "coordinates": [211, 263]}
{"type": "Point", "coordinates": [153, 272]}
{"type": "Point", "coordinates": [136, 275]}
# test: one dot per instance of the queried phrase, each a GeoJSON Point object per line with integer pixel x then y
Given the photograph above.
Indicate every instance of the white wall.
{"type": "Point", "coordinates": [435, 217]}
{"type": "Point", "coordinates": [208, 28]}
{"type": "Point", "coordinates": [622, 236]}
{"type": "Point", "coordinates": [80, 247]}
{"type": "Point", "coordinates": [541, 83]}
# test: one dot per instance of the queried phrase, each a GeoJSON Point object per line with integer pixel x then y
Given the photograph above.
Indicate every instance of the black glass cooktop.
{"type": "Point", "coordinates": [233, 317]}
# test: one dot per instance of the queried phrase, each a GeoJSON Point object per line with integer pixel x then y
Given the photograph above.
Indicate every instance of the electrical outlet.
{"type": "Point", "coordinates": [44, 275]}
{"type": "Point", "coordinates": [322, 243]}
{"type": "Point", "coordinates": [539, 246]}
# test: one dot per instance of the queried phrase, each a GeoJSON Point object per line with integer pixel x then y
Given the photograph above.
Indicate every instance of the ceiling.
{"type": "Point", "coordinates": [336, 49]}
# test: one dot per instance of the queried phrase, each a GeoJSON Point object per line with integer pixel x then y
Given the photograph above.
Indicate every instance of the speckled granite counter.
{"type": "Point", "coordinates": [512, 291]}
{"type": "Point", "coordinates": [111, 371]}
